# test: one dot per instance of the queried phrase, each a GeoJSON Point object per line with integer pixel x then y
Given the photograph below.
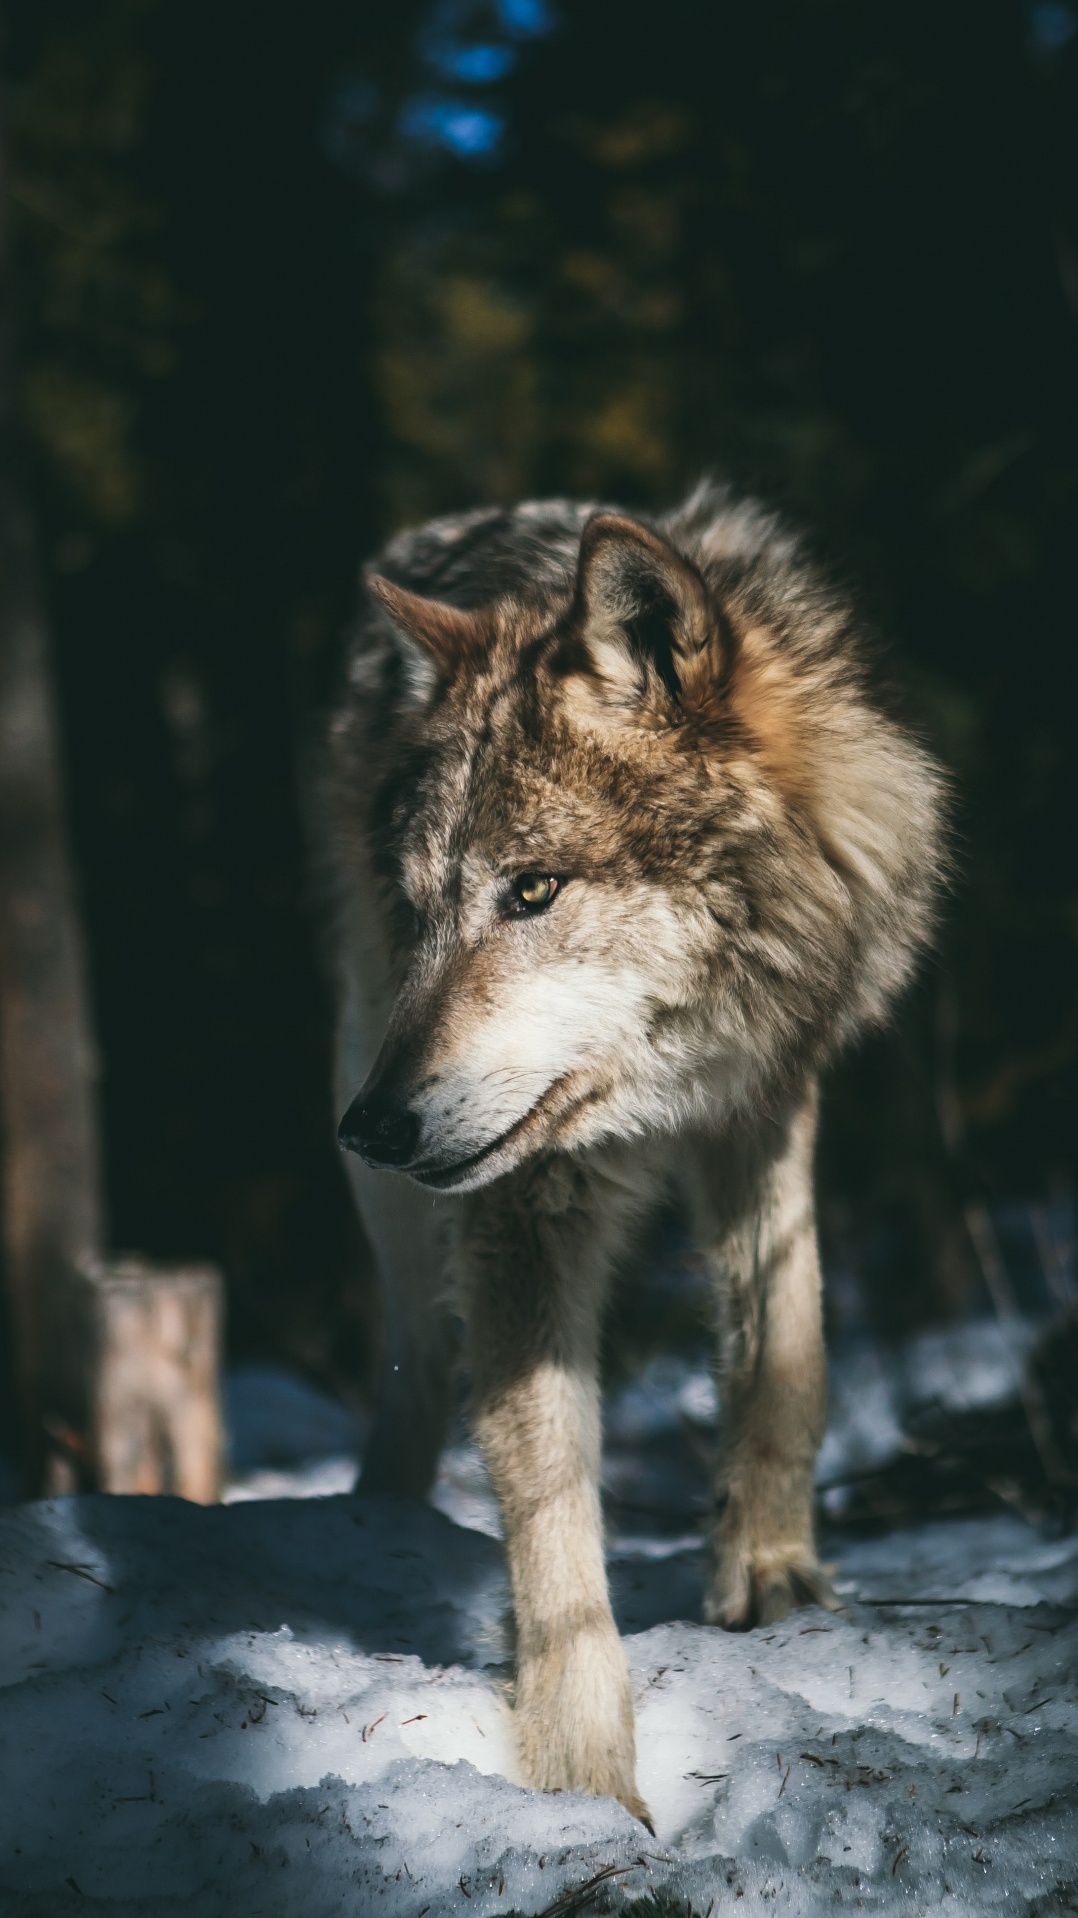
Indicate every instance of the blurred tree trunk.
{"type": "Point", "coordinates": [116, 1365]}
{"type": "Point", "coordinates": [52, 1215]}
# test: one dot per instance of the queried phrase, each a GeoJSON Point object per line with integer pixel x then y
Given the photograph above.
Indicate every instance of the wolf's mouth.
{"type": "Point", "coordinates": [442, 1178]}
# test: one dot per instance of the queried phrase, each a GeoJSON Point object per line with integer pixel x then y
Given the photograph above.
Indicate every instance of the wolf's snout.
{"type": "Point", "coordinates": [382, 1133]}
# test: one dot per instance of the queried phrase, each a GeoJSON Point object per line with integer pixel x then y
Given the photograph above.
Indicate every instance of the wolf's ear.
{"type": "Point", "coordinates": [644, 615]}
{"type": "Point", "coordinates": [440, 635]}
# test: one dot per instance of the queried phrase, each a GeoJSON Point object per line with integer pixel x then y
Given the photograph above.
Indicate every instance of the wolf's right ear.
{"type": "Point", "coordinates": [645, 619]}
{"type": "Point", "coordinates": [437, 636]}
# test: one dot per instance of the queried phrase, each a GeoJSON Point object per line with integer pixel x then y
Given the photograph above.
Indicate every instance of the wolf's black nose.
{"type": "Point", "coordinates": [381, 1133]}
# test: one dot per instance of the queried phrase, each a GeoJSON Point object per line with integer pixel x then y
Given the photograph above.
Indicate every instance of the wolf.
{"type": "Point", "coordinates": [626, 844]}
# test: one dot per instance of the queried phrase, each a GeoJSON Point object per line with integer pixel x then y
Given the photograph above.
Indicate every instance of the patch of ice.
{"type": "Point", "coordinates": [286, 1438]}
{"type": "Point", "coordinates": [633, 1545]}
{"type": "Point", "coordinates": [311, 1478]}
{"type": "Point", "coordinates": [660, 1398]}
{"type": "Point", "coordinates": [463, 1490]}
{"type": "Point", "coordinates": [864, 1428]}
{"type": "Point", "coordinates": [999, 1560]}
{"type": "Point", "coordinates": [964, 1368]}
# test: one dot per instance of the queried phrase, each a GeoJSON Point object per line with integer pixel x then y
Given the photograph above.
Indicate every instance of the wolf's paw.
{"type": "Point", "coordinates": [758, 1588]}
{"type": "Point", "coordinates": [574, 1721]}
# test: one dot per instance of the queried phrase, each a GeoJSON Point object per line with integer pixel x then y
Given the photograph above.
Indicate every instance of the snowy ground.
{"type": "Point", "coordinates": [298, 1705]}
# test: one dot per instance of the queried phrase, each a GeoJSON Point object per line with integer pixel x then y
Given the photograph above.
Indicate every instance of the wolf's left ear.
{"type": "Point", "coordinates": [644, 615]}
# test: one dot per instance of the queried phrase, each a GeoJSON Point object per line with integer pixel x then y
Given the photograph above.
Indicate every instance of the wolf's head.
{"type": "Point", "coordinates": [644, 857]}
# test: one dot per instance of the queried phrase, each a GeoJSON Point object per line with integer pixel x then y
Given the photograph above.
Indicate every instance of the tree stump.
{"type": "Point", "coordinates": [151, 1340]}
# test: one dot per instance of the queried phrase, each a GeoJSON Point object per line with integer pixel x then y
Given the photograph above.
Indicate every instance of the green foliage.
{"type": "Point", "coordinates": [99, 314]}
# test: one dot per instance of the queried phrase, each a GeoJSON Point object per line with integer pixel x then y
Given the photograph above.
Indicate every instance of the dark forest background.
{"type": "Point", "coordinates": [290, 277]}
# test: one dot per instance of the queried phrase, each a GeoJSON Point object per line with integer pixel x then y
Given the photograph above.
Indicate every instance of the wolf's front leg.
{"type": "Point", "coordinates": [759, 1227]}
{"type": "Point", "coordinates": [534, 1254]}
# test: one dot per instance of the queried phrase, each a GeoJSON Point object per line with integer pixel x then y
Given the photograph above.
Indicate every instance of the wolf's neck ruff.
{"type": "Point", "coordinates": [626, 847]}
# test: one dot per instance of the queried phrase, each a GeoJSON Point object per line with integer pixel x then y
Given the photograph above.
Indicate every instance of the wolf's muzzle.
{"type": "Point", "coordinates": [382, 1134]}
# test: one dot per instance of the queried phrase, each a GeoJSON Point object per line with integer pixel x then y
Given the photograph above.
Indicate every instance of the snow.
{"type": "Point", "coordinates": [300, 1705]}
{"type": "Point", "coordinates": [287, 1440]}
{"type": "Point", "coordinates": [197, 1700]}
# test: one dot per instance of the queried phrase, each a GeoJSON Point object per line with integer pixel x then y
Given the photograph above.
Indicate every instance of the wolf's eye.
{"type": "Point", "coordinates": [532, 891]}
